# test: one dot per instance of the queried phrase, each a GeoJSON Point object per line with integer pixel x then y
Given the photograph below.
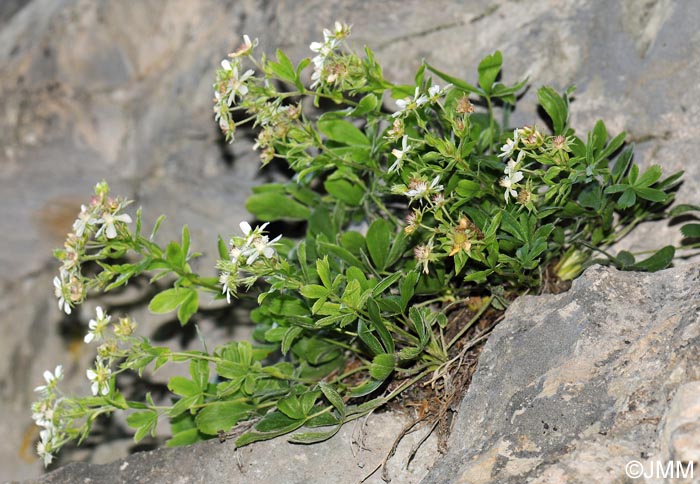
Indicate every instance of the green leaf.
{"type": "Point", "coordinates": [275, 424]}
{"type": "Point", "coordinates": [333, 397]}
{"type": "Point", "coordinates": [651, 194]}
{"type": "Point", "coordinates": [275, 206]}
{"type": "Point", "coordinates": [365, 334]}
{"type": "Point", "coordinates": [173, 253]}
{"type": "Point", "coordinates": [185, 437]}
{"type": "Point", "coordinates": [169, 299]}
{"type": "Point", "coordinates": [291, 407]}
{"type": "Point", "coordinates": [366, 388]}
{"type": "Point", "coordinates": [489, 68]}
{"type": "Point", "coordinates": [313, 437]}
{"type": "Point", "coordinates": [555, 107]}
{"type": "Point", "coordinates": [386, 283]}
{"type": "Point", "coordinates": [182, 386]}
{"type": "Point", "coordinates": [378, 241]}
{"type": "Point", "coordinates": [188, 307]}
{"type": "Point", "coordinates": [341, 131]}
{"type": "Point", "coordinates": [649, 177]}
{"type": "Point", "coordinates": [682, 208]}
{"type": "Point", "coordinates": [625, 259]}
{"type": "Point", "coordinates": [221, 416]}
{"type": "Point", "coordinates": [144, 423]}
{"type": "Point", "coordinates": [452, 80]}
{"type": "Point", "coordinates": [222, 247]}
{"type": "Point", "coordinates": [467, 189]}
{"type": "Point", "coordinates": [382, 366]}
{"type": "Point", "coordinates": [314, 291]}
{"type": "Point", "coordinates": [367, 104]}
{"type": "Point", "coordinates": [627, 198]}
{"type": "Point", "coordinates": [691, 231]}
{"type": "Point", "coordinates": [345, 191]}
{"type": "Point", "coordinates": [622, 163]}
{"type": "Point", "coordinates": [660, 260]}
{"type": "Point", "coordinates": [289, 337]}
{"type": "Point", "coordinates": [378, 324]}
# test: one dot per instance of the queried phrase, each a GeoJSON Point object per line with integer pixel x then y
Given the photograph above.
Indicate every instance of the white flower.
{"type": "Point", "coordinates": [98, 326]}
{"type": "Point", "coordinates": [407, 104]}
{"type": "Point", "coordinates": [418, 188]}
{"type": "Point", "coordinates": [60, 291]}
{"type": "Point", "coordinates": [51, 380]}
{"type": "Point", "coordinates": [99, 377]}
{"type": "Point", "coordinates": [434, 92]}
{"type": "Point", "coordinates": [254, 245]}
{"type": "Point", "coordinates": [511, 179]}
{"type": "Point", "coordinates": [228, 284]}
{"type": "Point", "coordinates": [46, 445]}
{"type": "Point", "coordinates": [508, 148]}
{"type": "Point", "coordinates": [108, 221]}
{"type": "Point", "coordinates": [422, 254]}
{"type": "Point", "coordinates": [399, 154]}
{"type": "Point", "coordinates": [236, 83]}
{"type": "Point", "coordinates": [43, 413]}
{"type": "Point", "coordinates": [84, 220]}
{"type": "Point", "coordinates": [246, 48]}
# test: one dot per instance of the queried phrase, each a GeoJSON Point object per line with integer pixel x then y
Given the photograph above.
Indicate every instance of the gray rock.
{"type": "Point", "coordinates": [569, 388]}
{"type": "Point", "coordinates": [348, 457]}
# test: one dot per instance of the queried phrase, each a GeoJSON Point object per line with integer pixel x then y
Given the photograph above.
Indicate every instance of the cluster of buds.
{"type": "Point", "coordinates": [99, 222]}
{"type": "Point", "coordinates": [247, 259]}
{"type": "Point", "coordinates": [276, 121]}
{"type": "Point", "coordinates": [463, 235]}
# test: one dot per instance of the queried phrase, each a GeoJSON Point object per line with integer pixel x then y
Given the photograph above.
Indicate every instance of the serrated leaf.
{"type": "Point", "coordinates": [342, 131]}
{"type": "Point", "coordinates": [169, 299]}
{"type": "Point", "coordinates": [555, 107]}
{"type": "Point", "coordinates": [333, 397]}
{"type": "Point", "coordinates": [314, 291]}
{"type": "Point", "coordinates": [218, 416]}
{"type": "Point", "coordinates": [348, 193]}
{"type": "Point", "coordinates": [488, 69]}
{"type": "Point", "coordinates": [649, 177]}
{"type": "Point", "coordinates": [188, 307]}
{"type": "Point", "coordinates": [382, 366]}
{"type": "Point", "coordinates": [144, 423]}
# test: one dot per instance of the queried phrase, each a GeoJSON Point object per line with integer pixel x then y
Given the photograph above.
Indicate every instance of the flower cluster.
{"type": "Point", "coordinates": [98, 223]}
{"type": "Point", "coordinates": [326, 67]}
{"type": "Point", "coordinates": [232, 83]}
{"type": "Point", "coordinates": [243, 266]}
{"type": "Point", "coordinates": [46, 414]}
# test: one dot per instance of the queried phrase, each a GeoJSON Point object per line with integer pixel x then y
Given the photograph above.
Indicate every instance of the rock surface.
{"type": "Point", "coordinates": [350, 456]}
{"type": "Point", "coordinates": [570, 388]}
{"type": "Point", "coordinates": [122, 90]}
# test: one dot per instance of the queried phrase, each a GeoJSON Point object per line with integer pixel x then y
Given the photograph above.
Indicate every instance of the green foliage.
{"type": "Point", "coordinates": [404, 213]}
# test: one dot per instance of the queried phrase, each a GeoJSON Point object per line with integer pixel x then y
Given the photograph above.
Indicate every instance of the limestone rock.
{"type": "Point", "coordinates": [569, 388]}
{"type": "Point", "coordinates": [348, 457]}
